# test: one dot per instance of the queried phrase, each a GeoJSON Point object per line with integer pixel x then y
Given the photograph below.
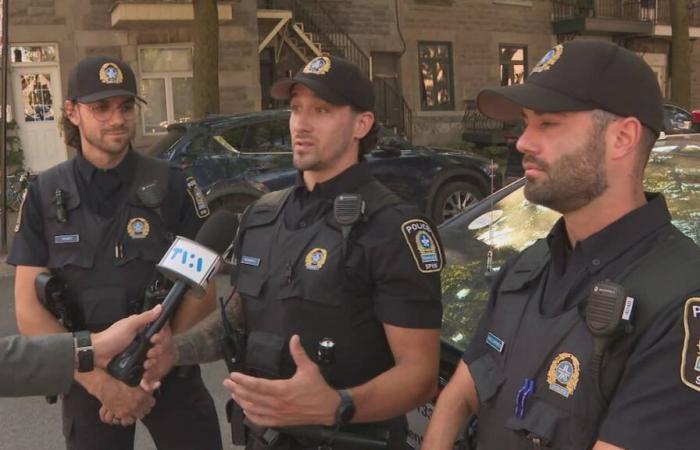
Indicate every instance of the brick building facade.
{"type": "Point", "coordinates": [428, 58]}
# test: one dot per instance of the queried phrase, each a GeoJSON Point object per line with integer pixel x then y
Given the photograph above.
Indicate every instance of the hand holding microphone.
{"type": "Point", "coordinates": [190, 264]}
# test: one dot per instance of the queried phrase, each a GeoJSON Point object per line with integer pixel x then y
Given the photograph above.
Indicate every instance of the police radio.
{"type": "Point", "coordinates": [609, 310]}
{"type": "Point", "coordinates": [347, 210]}
{"type": "Point", "coordinates": [190, 265]}
{"type": "Point", "coordinates": [608, 316]}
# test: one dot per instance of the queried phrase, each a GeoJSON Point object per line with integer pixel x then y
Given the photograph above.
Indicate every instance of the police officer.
{"type": "Point", "coordinates": [100, 222]}
{"type": "Point", "coordinates": [582, 341]}
{"type": "Point", "coordinates": [339, 280]}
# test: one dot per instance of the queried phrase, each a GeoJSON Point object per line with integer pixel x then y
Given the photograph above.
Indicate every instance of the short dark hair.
{"type": "Point", "coordinates": [71, 133]}
{"type": "Point", "coordinates": [647, 139]}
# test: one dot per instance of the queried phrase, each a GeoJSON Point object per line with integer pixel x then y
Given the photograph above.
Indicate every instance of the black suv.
{"type": "Point", "coordinates": [235, 159]}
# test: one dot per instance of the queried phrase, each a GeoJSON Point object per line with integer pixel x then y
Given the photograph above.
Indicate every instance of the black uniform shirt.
{"type": "Point", "coordinates": [102, 191]}
{"type": "Point", "coordinates": [650, 406]}
{"type": "Point", "coordinates": [402, 294]}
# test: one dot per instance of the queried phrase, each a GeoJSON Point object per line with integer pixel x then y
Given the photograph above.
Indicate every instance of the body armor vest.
{"type": "Point", "coordinates": [566, 409]}
{"type": "Point", "coordinates": [292, 282]}
{"type": "Point", "coordinates": [105, 263]}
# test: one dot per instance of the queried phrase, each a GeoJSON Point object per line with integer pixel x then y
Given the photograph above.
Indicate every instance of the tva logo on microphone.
{"type": "Point", "coordinates": [190, 262]}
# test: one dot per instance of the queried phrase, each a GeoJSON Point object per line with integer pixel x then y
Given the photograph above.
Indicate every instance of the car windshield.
{"type": "Point", "coordinates": [485, 236]}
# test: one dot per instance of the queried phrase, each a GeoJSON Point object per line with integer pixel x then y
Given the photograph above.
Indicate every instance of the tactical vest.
{"type": "Point", "coordinates": [292, 282]}
{"type": "Point", "coordinates": [566, 409]}
{"type": "Point", "coordinates": [105, 263]}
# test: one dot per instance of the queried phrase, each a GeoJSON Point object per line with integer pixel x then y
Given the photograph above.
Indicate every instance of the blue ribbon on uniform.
{"type": "Point", "coordinates": [527, 389]}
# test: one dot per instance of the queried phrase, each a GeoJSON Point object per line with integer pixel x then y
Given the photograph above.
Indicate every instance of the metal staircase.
{"type": "Point", "coordinates": [309, 31]}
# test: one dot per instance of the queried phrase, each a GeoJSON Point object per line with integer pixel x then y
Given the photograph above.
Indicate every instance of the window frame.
{"type": "Point", "coordinates": [450, 62]}
{"type": "Point", "coordinates": [168, 77]}
{"type": "Point", "coordinates": [501, 64]}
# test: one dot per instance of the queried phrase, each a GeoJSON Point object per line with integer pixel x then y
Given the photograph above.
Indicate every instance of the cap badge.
{"type": "Point", "coordinates": [563, 374]}
{"type": "Point", "coordinates": [110, 73]}
{"type": "Point", "coordinates": [318, 66]}
{"type": "Point", "coordinates": [138, 228]}
{"type": "Point", "coordinates": [315, 259]}
{"type": "Point", "coordinates": [549, 59]}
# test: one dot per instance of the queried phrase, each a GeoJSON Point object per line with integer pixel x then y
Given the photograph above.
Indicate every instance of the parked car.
{"type": "Point", "coordinates": [236, 159]}
{"type": "Point", "coordinates": [505, 223]}
{"type": "Point", "coordinates": [676, 119]}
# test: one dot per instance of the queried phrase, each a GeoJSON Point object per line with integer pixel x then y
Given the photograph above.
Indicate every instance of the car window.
{"type": "Point", "coordinates": [492, 234]}
{"type": "Point", "coordinates": [166, 145]}
{"type": "Point", "coordinates": [267, 137]}
{"type": "Point", "coordinates": [488, 240]}
{"type": "Point", "coordinates": [679, 118]}
{"type": "Point", "coordinates": [232, 138]}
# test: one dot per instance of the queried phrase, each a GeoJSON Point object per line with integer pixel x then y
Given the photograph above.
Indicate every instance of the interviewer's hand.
{"type": "Point", "coordinates": [116, 338]}
{"type": "Point", "coordinates": [160, 359]}
{"type": "Point", "coordinates": [304, 399]}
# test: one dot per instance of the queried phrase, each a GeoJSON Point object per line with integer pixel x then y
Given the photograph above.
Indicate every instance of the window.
{"type": "Point", "coordinates": [513, 63]}
{"type": "Point", "coordinates": [265, 137]}
{"type": "Point", "coordinates": [33, 54]}
{"type": "Point", "coordinates": [435, 65]}
{"type": "Point", "coordinates": [166, 84]}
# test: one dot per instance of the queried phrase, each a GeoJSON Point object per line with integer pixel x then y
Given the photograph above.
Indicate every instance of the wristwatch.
{"type": "Point", "coordinates": [84, 353]}
{"type": "Point", "coordinates": [346, 409]}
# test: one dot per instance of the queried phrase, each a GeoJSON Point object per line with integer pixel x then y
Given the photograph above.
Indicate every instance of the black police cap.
{"type": "Point", "coordinates": [99, 77]}
{"type": "Point", "coordinates": [581, 76]}
{"type": "Point", "coordinates": [332, 78]}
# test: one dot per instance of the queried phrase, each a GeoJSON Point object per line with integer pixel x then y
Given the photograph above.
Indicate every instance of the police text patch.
{"type": "Point", "coordinates": [690, 359]}
{"type": "Point", "coordinates": [198, 199]}
{"type": "Point", "coordinates": [423, 244]}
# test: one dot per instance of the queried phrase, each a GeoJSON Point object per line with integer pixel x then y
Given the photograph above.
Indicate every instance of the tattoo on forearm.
{"type": "Point", "coordinates": [202, 343]}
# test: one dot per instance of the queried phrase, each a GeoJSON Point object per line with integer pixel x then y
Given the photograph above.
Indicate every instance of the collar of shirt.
{"type": "Point", "coordinates": [124, 170]}
{"type": "Point", "coordinates": [307, 206]}
{"type": "Point", "coordinates": [599, 249]}
{"type": "Point", "coordinates": [347, 181]}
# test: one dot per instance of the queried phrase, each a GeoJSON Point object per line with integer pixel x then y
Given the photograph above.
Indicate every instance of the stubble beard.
{"type": "Point", "coordinates": [101, 142]}
{"type": "Point", "coordinates": [573, 180]}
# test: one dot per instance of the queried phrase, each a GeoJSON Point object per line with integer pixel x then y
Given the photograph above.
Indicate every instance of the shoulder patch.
{"type": "Point", "coordinates": [690, 359]}
{"type": "Point", "coordinates": [424, 245]}
{"type": "Point", "coordinates": [198, 199]}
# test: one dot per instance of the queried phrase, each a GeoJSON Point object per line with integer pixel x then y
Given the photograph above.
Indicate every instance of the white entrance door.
{"type": "Point", "coordinates": [36, 92]}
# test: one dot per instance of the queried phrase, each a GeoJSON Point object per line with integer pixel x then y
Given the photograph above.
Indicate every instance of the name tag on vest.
{"type": "Point", "coordinates": [66, 239]}
{"type": "Point", "coordinates": [495, 342]}
{"type": "Point", "coordinates": [250, 261]}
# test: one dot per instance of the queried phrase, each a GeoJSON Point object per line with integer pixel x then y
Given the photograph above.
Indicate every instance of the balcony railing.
{"type": "Point", "coordinates": [391, 109]}
{"type": "Point", "coordinates": [656, 11]}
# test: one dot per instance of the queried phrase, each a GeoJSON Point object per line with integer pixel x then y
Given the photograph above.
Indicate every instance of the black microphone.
{"type": "Point", "coordinates": [190, 264]}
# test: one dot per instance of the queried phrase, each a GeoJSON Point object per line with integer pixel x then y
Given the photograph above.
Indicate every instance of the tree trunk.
{"type": "Point", "coordinates": [680, 54]}
{"type": "Point", "coordinates": [206, 58]}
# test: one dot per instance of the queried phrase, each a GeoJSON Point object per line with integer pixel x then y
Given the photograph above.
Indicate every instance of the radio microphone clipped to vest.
{"type": "Point", "coordinates": [190, 265]}
{"type": "Point", "coordinates": [348, 209]}
{"type": "Point", "coordinates": [608, 315]}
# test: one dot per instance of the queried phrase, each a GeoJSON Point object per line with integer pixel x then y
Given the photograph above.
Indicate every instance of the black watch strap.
{"type": "Point", "coordinates": [83, 351]}
{"type": "Point", "coordinates": [346, 409]}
